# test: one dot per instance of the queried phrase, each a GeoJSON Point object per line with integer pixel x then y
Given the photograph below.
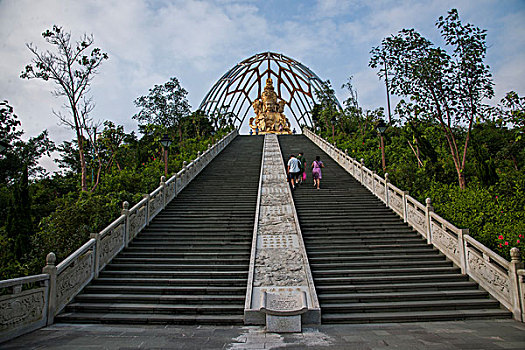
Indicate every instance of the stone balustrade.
{"type": "Point", "coordinates": [504, 280]}
{"type": "Point", "coordinates": [32, 302]}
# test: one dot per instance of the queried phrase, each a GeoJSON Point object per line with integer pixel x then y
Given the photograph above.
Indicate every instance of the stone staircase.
{"type": "Point", "coordinates": [369, 266]}
{"type": "Point", "coordinates": [190, 265]}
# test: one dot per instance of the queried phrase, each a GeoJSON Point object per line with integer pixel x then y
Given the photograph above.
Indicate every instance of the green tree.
{"type": "Point", "coordinates": [72, 67]}
{"type": "Point", "coordinates": [19, 223]}
{"type": "Point", "coordinates": [449, 87]}
{"type": "Point", "coordinates": [165, 105]}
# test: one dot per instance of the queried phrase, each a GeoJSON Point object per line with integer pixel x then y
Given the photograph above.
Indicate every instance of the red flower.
{"type": "Point", "coordinates": [496, 197]}
{"type": "Point", "coordinates": [499, 245]}
{"type": "Point", "coordinates": [506, 243]}
{"type": "Point", "coordinates": [520, 236]}
{"type": "Point", "coordinates": [518, 241]}
{"type": "Point", "coordinates": [500, 237]}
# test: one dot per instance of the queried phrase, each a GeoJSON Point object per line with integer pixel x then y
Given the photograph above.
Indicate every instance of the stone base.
{"type": "Point", "coordinates": [283, 324]}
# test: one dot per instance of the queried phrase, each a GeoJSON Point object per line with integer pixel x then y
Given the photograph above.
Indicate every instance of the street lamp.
{"type": "Point", "coordinates": [165, 141]}
{"type": "Point", "coordinates": [333, 129]}
{"type": "Point", "coordinates": [381, 128]}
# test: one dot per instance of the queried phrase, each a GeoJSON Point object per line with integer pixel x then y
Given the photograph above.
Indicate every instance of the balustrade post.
{"type": "Point", "coordinates": [163, 191]}
{"type": "Point", "coordinates": [429, 209]}
{"type": "Point", "coordinates": [462, 250]}
{"type": "Point", "coordinates": [521, 289]}
{"type": "Point", "coordinates": [374, 183]}
{"type": "Point", "coordinates": [387, 195]}
{"type": "Point", "coordinates": [177, 183]}
{"type": "Point", "coordinates": [51, 270]}
{"type": "Point", "coordinates": [125, 211]}
{"type": "Point", "coordinates": [362, 166]}
{"type": "Point", "coordinates": [514, 285]}
{"type": "Point", "coordinates": [147, 196]}
{"type": "Point", "coordinates": [96, 263]}
{"type": "Point", "coordinates": [184, 179]}
{"type": "Point", "coordinates": [199, 161]}
{"type": "Point", "coordinates": [405, 216]}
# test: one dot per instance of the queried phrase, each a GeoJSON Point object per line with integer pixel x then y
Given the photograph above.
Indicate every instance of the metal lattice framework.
{"type": "Point", "coordinates": [233, 94]}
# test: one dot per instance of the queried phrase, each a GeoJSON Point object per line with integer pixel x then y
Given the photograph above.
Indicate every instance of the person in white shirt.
{"type": "Point", "coordinates": [293, 170]}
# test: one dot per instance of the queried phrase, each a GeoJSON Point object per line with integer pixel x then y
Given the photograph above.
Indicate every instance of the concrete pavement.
{"type": "Point", "coordinates": [483, 334]}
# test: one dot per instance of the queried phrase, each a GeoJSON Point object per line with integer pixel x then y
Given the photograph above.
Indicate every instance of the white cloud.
{"type": "Point", "coordinates": [197, 41]}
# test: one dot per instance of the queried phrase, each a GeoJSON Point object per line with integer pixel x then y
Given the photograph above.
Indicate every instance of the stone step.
{"type": "Point", "coordinates": [176, 249]}
{"type": "Point", "coordinates": [404, 306]}
{"type": "Point", "coordinates": [162, 299]}
{"type": "Point", "coordinates": [122, 259]}
{"type": "Point", "coordinates": [394, 279]}
{"type": "Point", "coordinates": [416, 316]}
{"type": "Point", "coordinates": [148, 318]}
{"type": "Point", "coordinates": [190, 273]}
{"type": "Point", "coordinates": [379, 287]}
{"type": "Point", "coordinates": [331, 298]}
{"type": "Point", "coordinates": [188, 309]}
{"type": "Point", "coordinates": [153, 266]}
{"type": "Point", "coordinates": [345, 232]}
{"type": "Point", "coordinates": [172, 281]}
{"type": "Point", "coordinates": [387, 271]}
{"type": "Point", "coordinates": [439, 261]}
{"type": "Point", "coordinates": [189, 244]}
{"type": "Point", "coordinates": [368, 255]}
{"type": "Point", "coordinates": [168, 290]}
{"type": "Point", "coordinates": [352, 242]}
{"type": "Point", "coordinates": [159, 253]}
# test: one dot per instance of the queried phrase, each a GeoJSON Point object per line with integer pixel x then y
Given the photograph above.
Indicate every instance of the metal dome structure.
{"type": "Point", "coordinates": [233, 94]}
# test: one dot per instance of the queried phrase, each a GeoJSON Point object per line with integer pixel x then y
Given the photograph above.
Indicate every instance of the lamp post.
{"type": "Point", "coordinates": [381, 128]}
{"type": "Point", "coordinates": [333, 129]}
{"type": "Point", "coordinates": [165, 141]}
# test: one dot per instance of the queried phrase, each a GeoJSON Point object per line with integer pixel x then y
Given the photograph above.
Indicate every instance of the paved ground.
{"type": "Point", "coordinates": [501, 334]}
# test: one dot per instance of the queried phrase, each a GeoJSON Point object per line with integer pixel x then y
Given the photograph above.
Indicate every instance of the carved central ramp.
{"type": "Point", "coordinates": [369, 266]}
{"type": "Point", "coordinates": [190, 265]}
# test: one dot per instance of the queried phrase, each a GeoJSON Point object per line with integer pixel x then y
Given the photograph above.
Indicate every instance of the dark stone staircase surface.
{"type": "Point", "coordinates": [190, 265]}
{"type": "Point", "coordinates": [369, 266]}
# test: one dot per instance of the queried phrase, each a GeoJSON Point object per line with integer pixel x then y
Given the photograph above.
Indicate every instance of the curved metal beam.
{"type": "Point", "coordinates": [235, 91]}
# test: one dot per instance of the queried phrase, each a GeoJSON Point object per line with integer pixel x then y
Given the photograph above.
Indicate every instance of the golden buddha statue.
{"type": "Point", "coordinates": [269, 116]}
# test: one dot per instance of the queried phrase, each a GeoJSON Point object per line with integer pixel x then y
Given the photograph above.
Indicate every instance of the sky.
{"type": "Point", "coordinates": [149, 41]}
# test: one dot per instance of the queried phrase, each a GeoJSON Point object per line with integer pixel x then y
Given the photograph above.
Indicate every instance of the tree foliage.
{"type": "Point", "coordinates": [165, 105]}
{"type": "Point", "coordinates": [447, 87]}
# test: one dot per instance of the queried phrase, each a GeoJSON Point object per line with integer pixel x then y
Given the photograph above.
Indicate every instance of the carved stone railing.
{"type": "Point", "coordinates": [29, 303]}
{"type": "Point", "coordinates": [24, 306]}
{"type": "Point", "coordinates": [504, 280]}
{"type": "Point", "coordinates": [280, 291]}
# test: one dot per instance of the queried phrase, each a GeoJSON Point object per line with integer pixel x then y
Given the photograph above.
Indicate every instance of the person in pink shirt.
{"type": "Point", "coordinates": [316, 171]}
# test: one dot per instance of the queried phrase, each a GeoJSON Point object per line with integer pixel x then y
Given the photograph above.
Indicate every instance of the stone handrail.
{"type": "Point", "coordinates": [24, 311]}
{"type": "Point", "coordinates": [504, 280]}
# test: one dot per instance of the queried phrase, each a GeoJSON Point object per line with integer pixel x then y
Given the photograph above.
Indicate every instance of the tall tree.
{"type": "Point", "coordinates": [449, 87]}
{"type": "Point", "coordinates": [72, 67]}
{"type": "Point", "coordinates": [165, 105]}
